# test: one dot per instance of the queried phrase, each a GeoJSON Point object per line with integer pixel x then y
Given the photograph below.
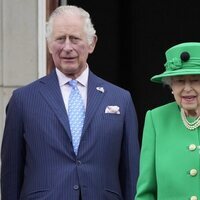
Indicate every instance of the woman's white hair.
{"type": "Point", "coordinates": [69, 9]}
{"type": "Point", "coordinates": [167, 81]}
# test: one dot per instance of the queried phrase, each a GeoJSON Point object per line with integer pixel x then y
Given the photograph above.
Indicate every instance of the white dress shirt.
{"type": "Point", "coordinates": [66, 89]}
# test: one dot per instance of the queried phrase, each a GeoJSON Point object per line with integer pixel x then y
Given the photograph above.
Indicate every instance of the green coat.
{"type": "Point", "coordinates": [170, 157]}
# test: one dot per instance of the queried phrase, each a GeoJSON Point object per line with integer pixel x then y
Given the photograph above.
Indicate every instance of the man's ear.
{"type": "Point", "coordinates": [93, 44]}
{"type": "Point", "coordinates": [49, 46]}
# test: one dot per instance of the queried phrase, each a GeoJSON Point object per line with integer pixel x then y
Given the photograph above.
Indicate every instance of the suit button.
{"type": "Point", "coordinates": [192, 147]}
{"type": "Point", "coordinates": [193, 172]}
{"type": "Point", "coordinates": [78, 162]}
{"type": "Point", "coordinates": [193, 198]}
{"type": "Point", "coordinates": [76, 187]}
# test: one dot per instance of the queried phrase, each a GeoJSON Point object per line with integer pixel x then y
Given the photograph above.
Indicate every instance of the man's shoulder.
{"type": "Point", "coordinates": [109, 85]}
{"type": "Point", "coordinates": [34, 85]}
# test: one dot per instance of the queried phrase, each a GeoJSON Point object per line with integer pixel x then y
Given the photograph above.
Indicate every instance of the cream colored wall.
{"type": "Point", "coordinates": [22, 39]}
{"type": "Point", "coordinates": [18, 48]}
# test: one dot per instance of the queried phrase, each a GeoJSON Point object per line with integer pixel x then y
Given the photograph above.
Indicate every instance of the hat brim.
{"type": "Point", "coordinates": [180, 72]}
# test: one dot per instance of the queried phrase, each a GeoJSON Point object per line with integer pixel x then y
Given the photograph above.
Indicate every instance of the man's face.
{"type": "Point", "coordinates": [68, 44]}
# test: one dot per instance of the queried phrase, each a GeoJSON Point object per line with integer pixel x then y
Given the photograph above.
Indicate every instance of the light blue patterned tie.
{"type": "Point", "coordinates": [76, 114]}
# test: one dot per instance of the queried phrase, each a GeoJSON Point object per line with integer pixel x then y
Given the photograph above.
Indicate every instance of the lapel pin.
{"type": "Point", "coordinates": [100, 89]}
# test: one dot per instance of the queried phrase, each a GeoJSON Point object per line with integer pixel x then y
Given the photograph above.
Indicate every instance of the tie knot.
{"type": "Point", "coordinates": [73, 83]}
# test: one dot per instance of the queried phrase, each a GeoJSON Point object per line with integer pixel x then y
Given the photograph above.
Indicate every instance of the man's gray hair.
{"type": "Point", "coordinates": [69, 9]}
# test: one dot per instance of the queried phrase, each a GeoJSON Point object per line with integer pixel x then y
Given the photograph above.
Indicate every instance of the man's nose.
{"type": "Point", "coordinates": [67, 45]}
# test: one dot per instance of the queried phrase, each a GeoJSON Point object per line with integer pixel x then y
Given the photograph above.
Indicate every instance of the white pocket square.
{"type": "Point", "coordinates": [112, 110]}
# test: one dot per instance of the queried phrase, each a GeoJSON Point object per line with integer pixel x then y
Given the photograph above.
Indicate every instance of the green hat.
{"type": "Point", "coordinates": [182, 59]}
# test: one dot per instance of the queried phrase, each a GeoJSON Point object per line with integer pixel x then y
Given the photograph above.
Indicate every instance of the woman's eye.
{"type": "Point", "coordinates": [195, 80]}
{"type": "Point", "coordinates": [179, 81]}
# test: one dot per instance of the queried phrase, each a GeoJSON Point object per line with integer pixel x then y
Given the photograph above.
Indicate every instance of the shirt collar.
{"type": "Point", "coordinates": [82, 79]}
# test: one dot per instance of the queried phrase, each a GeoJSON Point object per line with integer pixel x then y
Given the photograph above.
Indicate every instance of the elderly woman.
{"type": "Point", "coordinates": [170, 153]}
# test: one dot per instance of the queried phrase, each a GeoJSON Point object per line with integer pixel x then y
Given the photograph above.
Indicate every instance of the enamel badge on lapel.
{"type": "Point", "coordinates": [100, 89]}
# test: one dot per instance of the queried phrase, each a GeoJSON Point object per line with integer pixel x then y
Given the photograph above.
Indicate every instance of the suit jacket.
{"type": "Point", "coordinates": [38, 161]}
{"type": "Point", "coordinates": [169, 157]}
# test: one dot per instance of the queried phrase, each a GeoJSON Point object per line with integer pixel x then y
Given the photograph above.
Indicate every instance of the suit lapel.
{"type": "Point", "coordinates": [50, 90]}
{"type": "Point", "coordinates": [94, 98]}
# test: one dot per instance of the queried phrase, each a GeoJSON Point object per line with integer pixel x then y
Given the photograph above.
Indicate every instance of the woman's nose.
{"type": "Point", "coordinates": [187, 86]}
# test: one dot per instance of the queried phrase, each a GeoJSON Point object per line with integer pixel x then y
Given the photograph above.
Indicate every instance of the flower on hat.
{"type": "Point", "coordinates": [174, 64]}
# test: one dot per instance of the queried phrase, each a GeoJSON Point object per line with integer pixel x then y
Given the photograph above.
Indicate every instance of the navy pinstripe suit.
{"type": "Point", "coordinates": [38, 161]}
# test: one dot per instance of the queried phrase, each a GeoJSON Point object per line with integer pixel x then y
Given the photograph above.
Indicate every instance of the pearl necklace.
{"type": "Point", "coordinates": [190, 125]}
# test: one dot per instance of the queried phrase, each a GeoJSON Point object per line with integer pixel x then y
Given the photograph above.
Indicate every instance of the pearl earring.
{"type": "Point", "coordinates": [172, 92]}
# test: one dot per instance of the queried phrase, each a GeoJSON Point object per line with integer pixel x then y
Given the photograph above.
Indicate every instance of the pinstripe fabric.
{"type": "Point", "coordinates": [38, 161]}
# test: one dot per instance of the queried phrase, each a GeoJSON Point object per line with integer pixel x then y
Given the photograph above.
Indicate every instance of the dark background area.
{"type": "Point", "coordinates": [132, 39]}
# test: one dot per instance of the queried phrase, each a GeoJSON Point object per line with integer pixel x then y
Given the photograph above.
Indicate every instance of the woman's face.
{"type": "Point", "coordinates": [186, 90]}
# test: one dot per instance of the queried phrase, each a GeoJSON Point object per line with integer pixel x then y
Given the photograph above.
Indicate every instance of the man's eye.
{"type": "Point", "coordinates": [74, 39]}
{"type": "Point", "coordinates": [61, 39]}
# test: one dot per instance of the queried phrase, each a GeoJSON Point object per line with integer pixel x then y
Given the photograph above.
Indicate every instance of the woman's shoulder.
{"type": "Point", "coordinates": [169, 107]}
{"type": "Point", "coordinates": [164, 113]}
